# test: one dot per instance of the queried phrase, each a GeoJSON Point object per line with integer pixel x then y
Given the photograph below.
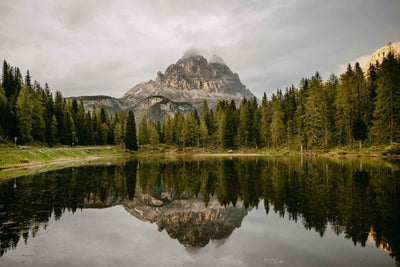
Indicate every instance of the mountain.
{"type": "Point", "coordinates": [382, 52]}
{"type": "Point", "coordinates": [182, 87]}
{"type": "Point", "coordinates": [188, 219]}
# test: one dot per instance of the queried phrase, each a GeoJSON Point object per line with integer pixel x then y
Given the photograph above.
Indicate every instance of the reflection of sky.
{"type": "Point", "coordinates": [112, 237]}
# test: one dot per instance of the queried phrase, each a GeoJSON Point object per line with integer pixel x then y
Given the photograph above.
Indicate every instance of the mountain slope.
{"type": "Point", "coordinates": [192, 80]}
{"type": "Point", "coordinates": [182, 87]}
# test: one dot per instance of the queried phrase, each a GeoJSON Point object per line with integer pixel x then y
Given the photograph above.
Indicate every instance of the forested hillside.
{"type": "Point", "coordinates": [342, 111]}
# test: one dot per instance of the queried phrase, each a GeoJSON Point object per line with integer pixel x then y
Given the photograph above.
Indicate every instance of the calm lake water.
{"type": "Point", "coordinates": [205, 212]}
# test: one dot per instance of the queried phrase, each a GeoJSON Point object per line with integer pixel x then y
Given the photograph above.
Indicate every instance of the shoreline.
{"type": "Point", "coordinates": [25, 158]}
{"type": "Point", "coordinates": [44, 163]}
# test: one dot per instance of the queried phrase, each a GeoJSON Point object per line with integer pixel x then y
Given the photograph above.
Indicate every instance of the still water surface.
{"type": "Point", "coordinates": [205, 212]}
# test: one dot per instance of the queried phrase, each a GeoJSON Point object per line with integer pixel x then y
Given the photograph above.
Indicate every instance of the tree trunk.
{"type": "Point", "coordinates": [360, 143]}
{"type": "Point", "coordinates": [326, 133]}
{"type": "Point", "coordinates": [391, 113]}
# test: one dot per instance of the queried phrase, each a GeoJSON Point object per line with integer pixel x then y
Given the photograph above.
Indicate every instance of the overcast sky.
{"type": "Point", "coordinates": [106, 47]}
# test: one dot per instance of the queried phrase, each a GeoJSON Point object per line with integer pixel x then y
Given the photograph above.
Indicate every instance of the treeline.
{"type": "Point", "coordinates": [352, 107]}
{"type": "Point", "coordinates": [31, 113]}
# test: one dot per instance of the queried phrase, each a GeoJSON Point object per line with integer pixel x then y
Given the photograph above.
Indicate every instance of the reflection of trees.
{"type": "Point", "coordinates": [37, 197]}
{"type": "Point", "coordinates": [351, 198]}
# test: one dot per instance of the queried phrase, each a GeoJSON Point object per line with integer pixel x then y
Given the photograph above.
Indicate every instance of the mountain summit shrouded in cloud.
{"type": "Point", "coordinates": [182, 87]}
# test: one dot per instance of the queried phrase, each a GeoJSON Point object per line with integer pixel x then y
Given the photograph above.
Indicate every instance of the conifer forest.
{"type": "Point", "coordinates": [348, 110]}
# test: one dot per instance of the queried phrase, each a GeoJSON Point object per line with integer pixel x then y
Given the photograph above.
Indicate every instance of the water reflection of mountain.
{"type": "Point", "coordinates": [187, 219]}
{"type": "Point", "coordinates": [199, 200]}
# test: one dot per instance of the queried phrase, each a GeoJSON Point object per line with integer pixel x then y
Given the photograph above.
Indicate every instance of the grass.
{"type": "Point", "coordinates": [23, 157]}
{"type": "Point", "coordinates": [41, 168]}
{"type": "Point", "coordinates": [382, 151]}
{"type": "Point", "coordinates": [32, 156]}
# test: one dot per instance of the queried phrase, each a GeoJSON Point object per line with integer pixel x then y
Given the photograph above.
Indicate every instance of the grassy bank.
{"type": "Point", "coordinates": [34, 156]}
{"type": "Point", "coordinates": [372, 151]}
{"type": "Point", "coordinates": [57, 165]}
{"type": "Point", "coordinates": [10, 158]}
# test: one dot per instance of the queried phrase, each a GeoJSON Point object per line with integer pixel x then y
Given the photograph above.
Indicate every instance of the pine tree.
{"type": "Point", "coordinates": [178, 124]}
{"type": "Point", "coordinates": [245, 122]}
{"type": "Point", "coordinates": [130, 137]}
{"type": "Point", "coordinates": [28, 79]}
{"type": "Point", "coordinates": [143, 131]}
{"type": "Point", "coordinates": [88, 129]}
{"type": "Point", "coordinates": [25, 114]}
{"type": "Point", "coordinates": [168, 130]}
{"type": "Point", "coordinates": [314, 110]}
{"type": "Point", "coordinates": [59, 112]}
{"type": "Point", "coordinates": [52, 131]}
{"type": "Point", "coordinates": [265, 121]}
{"type": "Point", "coordinates": [387, 112]}
{"type": "Point", "coordinates": [3, 110]}
{"type": "Point", "coordinates": [330, 111]}
{"type": "Point", "coordinates": [38, 124]}
{"type": "Point", "coordinates": [277, 126]}
{"type": "Point", "coordinates": [344, 108]}
{"type": "Point", "coordinates": [153, 133]}
{"type": "Point", "coordinates": [203, 132]}
{"type": "Point", "coordinates": [118, 134]}
{"type": "Point", "coordinates": [50, 134]}
{"type": "Point", "coordinates": [360, 130]}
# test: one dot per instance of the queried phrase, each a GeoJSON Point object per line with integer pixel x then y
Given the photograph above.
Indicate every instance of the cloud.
{"type": "Point", "coordinates": [106, 47]}
{"type": "Point", "coordinates": [362, 60]}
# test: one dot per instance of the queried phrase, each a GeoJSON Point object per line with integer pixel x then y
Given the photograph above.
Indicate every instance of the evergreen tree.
{"type": "Point", "coordinates": [25, 114]}
{"type": "Point", "coordinates": [28, 79]}
{"type": "Point", "coordinates": [245, 123]}
{"type": "Point", "coordinates": [387, 112]}
{"type": "Point", "coordinates": [314, 114]}
{"type": "Point", "coordinates": [153, 133]}
{"type": "Point", "coordinates": [203, 132]}
{"type": "Point", "coordinates": [277, 126]}
{"type": "Point", "coordinates": [360, 130]}
{"type": "Point", "coordinates": [265, 121]}
{"type": "Point", "coordinates": [38, 124]}
{"type": "Point", "coordinates": [168, 130]}
{"type": "Point", "coordinates": [344, 108]}
{"type": "Point", "coordinates": [3, 110]}
{"type": "Point", "coordinates": [130, 138]}
{"type": "Point", "coordinates": [143, 131]}
{"type": "Point", "coordinates": [118, 135]}
{"type": "Point", "coordinates": [50, 124]}
{"type": "Point", "coordinates": [59, 112]}
{"type": "Point", "coordinates": [330, 90]}
{"type": "Point", "coordinates": [88, 130]}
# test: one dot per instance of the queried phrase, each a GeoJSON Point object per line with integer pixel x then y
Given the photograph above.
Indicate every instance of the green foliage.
{"type": "Point", "coordinates": [130, 138]}
{"type": "Point", "coordinates": [317, 114]}
{"type": "Point", "coordinates": [25, 114]}
{"type": "Point", "coordinates": [387, 111]}
{"type": "Point", "coordinates": [360, 130]}
{"type": "Point", "coordinates": [144, 137]}
{"type": "Point", "coordinates": [3, 110]}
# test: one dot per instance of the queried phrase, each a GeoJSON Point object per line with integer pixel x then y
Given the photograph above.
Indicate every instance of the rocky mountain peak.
{"type": "Point", "coordinates": [183, 87]}
{"type": "Point", "coordinates": [194, 72]}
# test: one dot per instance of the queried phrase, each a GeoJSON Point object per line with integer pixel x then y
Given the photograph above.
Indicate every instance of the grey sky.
{"type": "Point", "coordinates": [106, 47]}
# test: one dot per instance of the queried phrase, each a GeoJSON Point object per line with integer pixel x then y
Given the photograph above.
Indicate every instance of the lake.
{"type": "Point", "coordinates": [240, 211]}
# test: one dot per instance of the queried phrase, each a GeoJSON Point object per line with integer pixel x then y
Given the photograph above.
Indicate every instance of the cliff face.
{"type": "Point", "coordinates": [381, 53]}
{"type": "Point", "coordinates": [182, 87]}
{"type": "Point", "coordinates": [191, 80]}
{"type": "Point", "coordinates": [187, 219]}
{"type": "Point", "coordinates": [195, 73]}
